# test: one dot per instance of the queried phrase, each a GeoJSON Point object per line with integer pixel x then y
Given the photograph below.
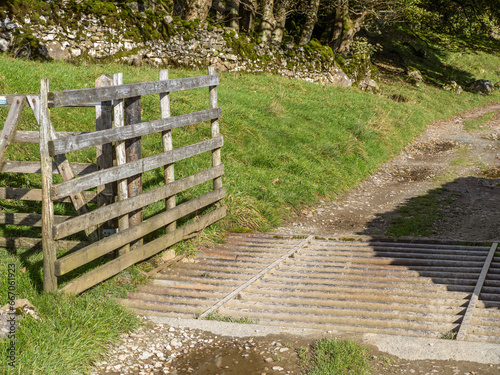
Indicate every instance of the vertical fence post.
{"type": "Point", "coordinates": [104, 153]}
{"type": "Point", "coordinates": [133, 153]}
{"type": "Point", "coordinates": [167, 146]}
{"type": "Point", "coordinates": [120, 158]}
{"type": "Point", "coordinates": [216, 159]}
{"type": "Point", "coordinates": [49, 248]}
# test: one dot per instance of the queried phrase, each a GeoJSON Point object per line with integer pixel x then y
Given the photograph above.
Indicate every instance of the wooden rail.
{"type": "Point", "coordinates": [102, 94]}
{"type": "Point", "coordinates": [107, 180]}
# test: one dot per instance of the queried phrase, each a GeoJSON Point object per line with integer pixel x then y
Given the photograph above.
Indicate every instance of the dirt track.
{"type": "Point", "coordinates": [464, 166]}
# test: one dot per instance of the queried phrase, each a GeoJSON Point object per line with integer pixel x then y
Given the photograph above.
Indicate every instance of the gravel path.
{"type": "Point", "coordinates": [158, 348]}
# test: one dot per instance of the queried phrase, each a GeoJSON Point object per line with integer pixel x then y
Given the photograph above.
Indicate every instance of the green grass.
{"type": "Point", "coordinates": [330, 357]}
{"type": "Point", "coordinates": [228, 319]}
{"type": "Point", "coordinates": [451, 335]}
{"type": "Point", "coordinates": [71, 331]}
{"type": "Point", "coordinates": [287, 144]}
{"type": "Point", "coordinates": [311, 141]}
{"type": "Point", "coordinates": [477, 124]}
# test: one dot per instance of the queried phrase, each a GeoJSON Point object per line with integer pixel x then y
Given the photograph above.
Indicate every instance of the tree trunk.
{"type": "Point", "coordinates": [351, 27]}
{"type": "Point", "coordinates": [198, 9]}
{"type": "Point", "coordinates": [234, 21]}
{"type": "Point", "coordinates": [311, 19]}
{"type": "Point", "coordinates": [341, 17]}
{"type": "Point", "coordinates": [267, 25]}
{"type": "Point", "coordinates": [248, 9]}
{"type": "Point", "coordinates": [282, 8]}
{"type": "Point", "coordinates": [219, 10]}
{"type": "Point", "coordinates": [345, 28]}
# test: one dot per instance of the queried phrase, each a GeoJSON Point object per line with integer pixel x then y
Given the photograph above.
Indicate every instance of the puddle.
{"type": "Point", "coordinates": [239, 357]}
{"type": "Point", "coordinates": [434, 147]}
{"type": "Point", "coordinates": [413, 174]}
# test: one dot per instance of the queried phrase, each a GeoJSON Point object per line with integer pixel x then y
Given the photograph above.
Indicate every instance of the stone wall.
{"type": "Point", "coordinates": [195, 47]}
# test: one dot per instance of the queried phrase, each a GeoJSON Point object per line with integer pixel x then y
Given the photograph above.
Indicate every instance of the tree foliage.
{"type": "Point", "coordinates": [335, 23]}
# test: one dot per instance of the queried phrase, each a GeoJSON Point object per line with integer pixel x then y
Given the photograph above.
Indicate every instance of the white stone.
{"type": "Point", "coordinates": [145, 355]}
{"type": "Point", "coordinates": [4, 45]}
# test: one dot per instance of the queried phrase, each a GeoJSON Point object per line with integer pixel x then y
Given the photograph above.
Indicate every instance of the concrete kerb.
{"type": "Point", "coordinates": [404, 347]}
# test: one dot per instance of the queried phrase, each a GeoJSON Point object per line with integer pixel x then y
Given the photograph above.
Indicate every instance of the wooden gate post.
{"type": "Point", "coordinates": [133, 153]}
{"type": "Point", "coordinates": [120, 159]}
{"type": "Point", "coordinates": [167, 146]}
{"type": "Point", "coordinates": [49, 248]}
{"type": "Point", "coordinates": [216, 159]}
{"type": "Point", "coordinates": [104, 153]}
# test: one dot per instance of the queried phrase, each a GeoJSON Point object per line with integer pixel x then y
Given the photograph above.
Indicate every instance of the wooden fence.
{"type": "Point", "coordinates": [114, 181]}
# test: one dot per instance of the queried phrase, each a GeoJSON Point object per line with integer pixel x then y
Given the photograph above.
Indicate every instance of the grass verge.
{"type": "Point", "coordinates": [228, 319]}
{"type": "Point", "coordinates": [71, 332]}
{"type": "Point", "coordinates": [329, 356]}
{"type": "Point", "coordinates": [471, 125]}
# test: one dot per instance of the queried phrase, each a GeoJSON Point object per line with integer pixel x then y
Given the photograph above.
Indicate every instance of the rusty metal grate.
{"type": "Point", "coordinates": [419, 289]}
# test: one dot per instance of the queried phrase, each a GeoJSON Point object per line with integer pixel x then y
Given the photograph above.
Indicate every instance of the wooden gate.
{"type": "Point", "coordinates": [117, 182]}
{"type": "Point", "coordinates": [12, 191]}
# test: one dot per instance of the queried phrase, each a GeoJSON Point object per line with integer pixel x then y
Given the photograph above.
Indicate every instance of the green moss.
{"type": "Point", "coordinates": [99, 8]}
{"type": "Point", "coordinates": [314, 47]}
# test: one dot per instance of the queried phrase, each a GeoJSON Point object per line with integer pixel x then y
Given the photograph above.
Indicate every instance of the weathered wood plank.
{"type": "Point", "coordinates": [121, 158]}
{"type": "Point", "coordinates": [14, 166]}
{"type": "Point", "coordinates": [77, 97]}
{"type": "Point", "coordinates": [146, 251]}
{"type": "Point", "coordinates": [26, 194]}
{"type": "Point", "coordinates": [120, 208]}
{"type": "Point", "coordinates": [166, 137]}
{"type": "Point", "coordinates": [10, 125]}
{"type": "Point", "coordinates": [216, 154]}
{"type": "Point", "coordinates": [95, 250]}
{"type": "Point", "coordinates": [31, 220]}
{"type": "Point", "coordinates": [64, 167]}
{"type": "Point", "coordinates": [7, 100]}
{"type": "Point", "coordinates": [31, 243]}
{"type": "Point", "coordinates": [24, 136]}
{"type": "Point", "coordinates": [133, 151]}
{"type": "Point", "coordinates": [49, 246]}
{"type": "Point", "coordinates": [130, 169]}
{"type": "Point", "coordinates": [104, 152]}
{"type": "Point", "coordinates": [118, 134]}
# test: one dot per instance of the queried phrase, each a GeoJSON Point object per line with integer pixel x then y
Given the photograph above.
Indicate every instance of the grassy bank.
{"type": "Point", "coordinates": [287, 144]}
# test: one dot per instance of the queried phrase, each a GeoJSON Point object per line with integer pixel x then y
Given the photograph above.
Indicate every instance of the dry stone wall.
{"type": "Point", "coordinates": [195, 47]}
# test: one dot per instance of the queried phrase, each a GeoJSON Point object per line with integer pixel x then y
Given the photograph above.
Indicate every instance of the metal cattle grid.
{"type": "Point", "coordinates": [418, 289]}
